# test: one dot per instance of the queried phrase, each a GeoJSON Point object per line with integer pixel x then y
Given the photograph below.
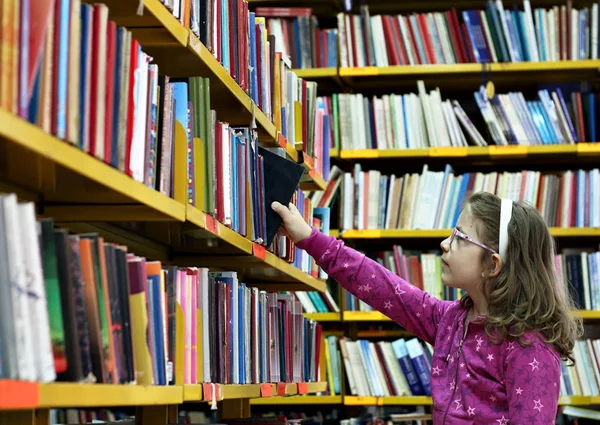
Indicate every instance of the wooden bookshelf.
{"type": "Point", "coordinates": [179, 53]}
{"type": "Point", "coordinates": [324, 317]}
{"type": "Point", "coordinates": [423, 400]}
{"type": "Point", "coordinates": [203, 392]}
{"type": "Point", "coordinates": [76, 395]}
{"type": "Point", "coordinates": [376, 316]}
{"type": "Point", "coordinates": [18, 395]}
{"type": "Point", "coordinates": [559, 232]}
{"type": "Point", "coordinates": [520, 152]}
{"type": "Point", "coordinates": [317, 73]}
{"type": "Point", "coordinates": [298, 400]}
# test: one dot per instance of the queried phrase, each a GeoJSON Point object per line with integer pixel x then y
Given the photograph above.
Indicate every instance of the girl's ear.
{"type": "Point", "coordinates": [496, 265]}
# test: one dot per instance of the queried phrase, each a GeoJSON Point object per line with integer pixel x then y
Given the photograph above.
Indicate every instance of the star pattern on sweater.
{"type": "Point", "coordinates": [511, 346]}
{"type": "Point", "coordinates": [519, 391]}
{"type": "Point", "coordinates": [538, 405]}
{"type": "Point", "coordinates": [534, 364]}
{"type": "Point", "coordinates": [502, 420]}
{"type": "Point", "coordinates": [436, 371]}
{"type": "Point", "coordinates": [387, 305]}
{"type": "Point", "coordinates": [471, 411]}
{"type": "Point", "coordinates": [490, 357]}
{"type": "Point", "coordinates": [458, 404]}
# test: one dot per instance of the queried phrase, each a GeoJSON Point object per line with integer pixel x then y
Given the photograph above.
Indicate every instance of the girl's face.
{"type": "Point", "coordinates": [461, 255]}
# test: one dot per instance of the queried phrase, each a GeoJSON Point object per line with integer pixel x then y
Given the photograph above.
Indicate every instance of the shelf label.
{"type": "Point", "coordinates": [266, 390]}
{"type": "Point", "coordinates": [281, 141]}
{"type": "Point", "coordinates": [259, 251]}
{"type": "Point", "coordinates": [448, 151]}
{"type": "Point", "coordinates": [212, 225]}
{"type": "Point", "coordinates": [281, 387]}
{"type": "Point", "coordinates": [510, 150]}
{"type": "Point", "coordinates": [212, 392]}
{"type": "Point", "coordinates": [302, 388]}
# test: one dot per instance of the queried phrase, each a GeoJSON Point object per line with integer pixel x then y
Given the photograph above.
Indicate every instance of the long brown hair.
{"type": "Point", "coordinates": [527, 294]}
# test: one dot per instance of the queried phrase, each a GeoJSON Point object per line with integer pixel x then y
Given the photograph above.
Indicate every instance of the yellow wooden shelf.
{"type": "Point", "coordinates": [376, 316]}
{"type": "Point", "coordinates": [334, 153]}
{"type": "Point", "coordinates": [559, 232]}
{"type": "Point", "coordinates": [472, 68]}
{"type": "Point", "coordinates": [364, 316]}
{"type": "Point", "coordinates": [194, 393]}
{"type": "Point", "coordinates": [75, 395]}
{"type": "Point", "coordinates": [423, 400]}
{"type": "Point", "coordinates": [316, 73]}
{"type": "Point", "coordinates": [297, 400]}
{"type": "Point", "coordinates": [324, 317]}
{"type": "Point", "coordinates": [495, 152]}
{"type": "Point", "coordinates": [75, 177]}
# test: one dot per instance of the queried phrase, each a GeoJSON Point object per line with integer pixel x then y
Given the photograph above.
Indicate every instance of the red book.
{"type": "Point", "coordinates": [218, 17]}
{"type": "Point", "coordinates": [39, 20]}
{"type": "Point", "coordinates": [259, 70]}
{"type": "Point", "coordinates": [111, 36]}
{"type": "Point", "coordinates": [390, 41]}
{"type": "Point", "coordinates": [399, 37]}
{"type": "Point", "coordinates": [241, 43]}
{"type": "Point", "coordinates": [467, 41]}
{"type": "Point", "coordinates": [98, 91]}
{"type": "Point", "coordinates": [452, 17]}
{"type": "Point", "coordinates": [426, 37]}
{"type": "Point", "coordinates": [135, 46]}
{"type": "Point", "coordinates": [579, 114]}
{"type": "Point", "coordinates": [353, 37]}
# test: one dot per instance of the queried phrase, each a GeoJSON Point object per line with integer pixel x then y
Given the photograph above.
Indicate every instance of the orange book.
{"type": "Point", "coordinates": [92, 311]}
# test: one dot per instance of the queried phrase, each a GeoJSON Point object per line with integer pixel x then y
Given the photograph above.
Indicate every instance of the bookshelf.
{"type": "Point", "coordinates": [558, 232]}
{"type": "Point", "coordinates": [83, 194]}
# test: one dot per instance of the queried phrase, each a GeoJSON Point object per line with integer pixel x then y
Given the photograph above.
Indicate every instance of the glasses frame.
{"type": "Point", "coordinates": [456, 232]}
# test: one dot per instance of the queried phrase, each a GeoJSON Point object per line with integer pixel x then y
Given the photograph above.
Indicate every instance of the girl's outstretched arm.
{"type": "Point", "coordinates": [404, 303]}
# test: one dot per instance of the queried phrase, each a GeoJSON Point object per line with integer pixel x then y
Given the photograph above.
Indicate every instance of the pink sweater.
{"type": "Point", "coordinates": [473, 380]}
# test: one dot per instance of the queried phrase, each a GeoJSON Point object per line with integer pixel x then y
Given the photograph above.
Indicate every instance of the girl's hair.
{"type": "Point", "coordinates": [527, 294]}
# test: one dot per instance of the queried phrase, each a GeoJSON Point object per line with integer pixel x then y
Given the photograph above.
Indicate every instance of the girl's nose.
{"type": "Point", "coordinates": [445, 244]}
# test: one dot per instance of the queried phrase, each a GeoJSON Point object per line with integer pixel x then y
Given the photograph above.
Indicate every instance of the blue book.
{"type": "Point", "coordinates": [420, 363]}
{"type": "Point", "coordinates": [480, 52]}
{"type": "Point", "coordinates": [119, 45]}
{"type": "Point", "coordinates": [253, 74]}
{"type": "Point", "coordinates": [447, 171]}
{"type": "Point", "coordinates": [407, 366]}
{"type": "Point", "coordinates": [62, 70]}
{"type": "Point", "coordinates": [84, 74]}
{"type": "Point", "coordinates": [591, 116]}
{"type": "Point", "coordinates": [158, 335]}
{"type": "Point", "coordinates": [516, 29]}
{"type": "Point", "coordinates": [372, 376]}
{"type": "Point", "coordinates": [461, 196]}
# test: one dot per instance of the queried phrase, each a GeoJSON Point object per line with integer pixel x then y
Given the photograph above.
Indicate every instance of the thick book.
{"type": "Point", "coordinates": [281, 178]}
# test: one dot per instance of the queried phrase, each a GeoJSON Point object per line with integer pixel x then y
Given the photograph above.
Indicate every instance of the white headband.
{"type": "Point", "coordinates": [505, 216]}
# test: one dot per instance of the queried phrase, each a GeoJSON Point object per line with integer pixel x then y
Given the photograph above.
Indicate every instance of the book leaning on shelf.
{"type": "Point", "coordinates": [102, 314]}
{"type": "Point", "coordinates": [490, 35]}
{"type": "Point", "coordinates": [433, 199]}
{"type": "Point", "coordinates": [559, 114]}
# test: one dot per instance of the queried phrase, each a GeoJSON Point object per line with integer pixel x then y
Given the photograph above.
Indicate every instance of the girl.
{"type": "Point", "coordinates": [497, 351]}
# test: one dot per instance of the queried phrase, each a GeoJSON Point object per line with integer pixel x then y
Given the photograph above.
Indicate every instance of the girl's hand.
{"type": "Point", "coordinates": [294, 226]}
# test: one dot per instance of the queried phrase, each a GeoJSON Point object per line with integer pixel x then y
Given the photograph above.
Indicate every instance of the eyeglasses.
{"type": "Point", "coordinates": [456, 232]}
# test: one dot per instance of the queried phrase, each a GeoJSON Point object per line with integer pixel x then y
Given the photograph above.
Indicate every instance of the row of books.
{"type": "Point", "coordinates": [292, 27]}
{"type": "Point", "coordinates": [422, 119]}
{"type": "Point", "coordinates": [489, 35]}
{"type": "Point", "coordinates": [583, 378]}
{"type": "Point", "coordinates": [317, 302]}
{"type": "Point", "coordinates": [80, 309]}
{"type": "Point", "coordinates": [433, 199]}
{"type": "Point", "coordinates": [399, 368]}
{"type": "Point", "coordinates": [87, 416]}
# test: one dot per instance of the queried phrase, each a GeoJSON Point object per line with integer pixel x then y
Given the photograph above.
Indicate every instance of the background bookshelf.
{"type": "Point", "coordinates": [455, 81]}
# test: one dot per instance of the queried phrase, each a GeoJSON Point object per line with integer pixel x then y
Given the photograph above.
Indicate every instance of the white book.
{"type": "Point", "coordinates": [530, 33]}
{"type": "Point", "coordinates": [361, 55]}
{"type": "Point", "coordinates": [594, 33]}
{"type": "Point", "coordinates": [348, 367]}
{"type": "Point", "coordinates": [18, 278]}
{"type": "Point", "coordinates": [426, 103]}
{"type": "Point", "coordinates": [38, 308]}
{"type": "Point", "coordinates": [410, 53]}
{"type": "Point", "coordinates": [488, 35]}
{"type": "Point", "coordinates": [342, 40]}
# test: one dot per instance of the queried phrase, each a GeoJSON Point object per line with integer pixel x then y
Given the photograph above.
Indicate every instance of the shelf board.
{"type": "Point", "coordinates": [422, 400]}
{"type": "Point", "coordinates": [194, 393]}
{"type": "Point", "coordinates": [71, 176]}
{"type": "Point", "coordinates": [460, 76]}
{"type": "Point", "coordinates": [575, 151]}
{"type": "Point", "coordinates": [376, 316]}
{"type": "Point", "coordinates": [324, 317]}
{"type": "Point", "coordinates": [297, 400]}
{"type": "Point", "coordinates": [334, 153]}
{"type": "Point", "coordinates": [559, 232]}
{"type": "Point", "coordinates": [217, 246]}
{"type": "Point", "coordinates": [364, 316]}
{"type": "Point", "coordinates": [316, 73]}
{"type": "Point", "coordinates": [75, 395]}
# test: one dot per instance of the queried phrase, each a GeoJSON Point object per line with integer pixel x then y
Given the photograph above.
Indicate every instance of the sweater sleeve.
{"type": "Point", "coordinates": [407, 305]}
{"type": "Point", "coordinates": [532, 376]}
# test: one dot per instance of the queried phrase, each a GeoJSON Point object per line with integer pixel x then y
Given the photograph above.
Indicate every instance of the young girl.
{"type": "Point", "coordinates": [497, 351]}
